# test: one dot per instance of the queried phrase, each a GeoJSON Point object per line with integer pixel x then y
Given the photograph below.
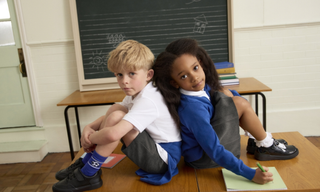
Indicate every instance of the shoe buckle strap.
{"type": "Point", "coordinates": [78, 175]}
{"type": "Point", "coordinates": [281, 146]}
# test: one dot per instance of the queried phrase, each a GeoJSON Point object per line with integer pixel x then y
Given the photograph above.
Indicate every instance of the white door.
{"type": "Point", "coordinates": [15, 102]}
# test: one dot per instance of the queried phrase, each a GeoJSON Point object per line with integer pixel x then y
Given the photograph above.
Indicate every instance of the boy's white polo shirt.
{"type": "Point", "coordinates": [148, 111]}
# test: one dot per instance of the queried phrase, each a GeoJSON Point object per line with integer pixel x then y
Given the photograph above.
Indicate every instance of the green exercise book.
{"type": "Point", "coordinates": [238, 183]}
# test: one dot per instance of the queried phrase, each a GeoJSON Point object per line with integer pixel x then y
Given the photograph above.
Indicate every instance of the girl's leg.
{"type": "Point", "coordinates": [268, 149]}
{"type": "Point", "coordinates": [248, 119]}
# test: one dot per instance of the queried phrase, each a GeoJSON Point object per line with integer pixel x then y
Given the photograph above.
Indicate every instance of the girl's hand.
{"type": "Point", "coordinates": [262, 177]}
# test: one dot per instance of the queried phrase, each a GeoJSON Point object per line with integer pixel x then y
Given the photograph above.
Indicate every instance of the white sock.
{"type": "Point", "coordinates": [266, 142]}
{"type": "Point", "coordinates": [246, 133]}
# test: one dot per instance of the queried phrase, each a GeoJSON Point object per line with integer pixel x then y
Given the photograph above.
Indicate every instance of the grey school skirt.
{"type": "Point", "coordinates": [225, 122]}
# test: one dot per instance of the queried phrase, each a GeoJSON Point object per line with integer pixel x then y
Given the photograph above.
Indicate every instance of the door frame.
{"type": "Point", "coordinates": [29, 65]}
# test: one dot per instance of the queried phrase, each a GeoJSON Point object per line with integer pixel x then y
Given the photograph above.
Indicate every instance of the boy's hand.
{"type": "Point", "coordinates": [90, 149]}
{"type": "Point", "coordinates": [262, 177]}
{"type": "Point", "coordinates": [85, 142]}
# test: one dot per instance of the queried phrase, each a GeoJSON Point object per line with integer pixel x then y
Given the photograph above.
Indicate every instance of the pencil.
{"type": "Point", "coordinates": [260, 167]}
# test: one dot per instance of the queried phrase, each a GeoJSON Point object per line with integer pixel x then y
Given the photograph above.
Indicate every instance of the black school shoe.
{"type": "Point", "coordinates": [77, 182]}
{"type": "Point", "coordinates": [60, 175]}
{"type": "Point", "coordinates": [277, 151]}
{"type": "Point", "coordinates": [252, 147]}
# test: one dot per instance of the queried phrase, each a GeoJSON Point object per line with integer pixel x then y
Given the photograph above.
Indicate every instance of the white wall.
{"type": "Point", "coordinates": [257, 13]}
{"type": "Point", "coordinates": [284, 57]}
{"type": "Point", "coordinates": [278, 42]}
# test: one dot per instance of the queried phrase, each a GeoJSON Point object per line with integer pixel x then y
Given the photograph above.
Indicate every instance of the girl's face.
{"type": "Point", "coordinates": [187, 73]}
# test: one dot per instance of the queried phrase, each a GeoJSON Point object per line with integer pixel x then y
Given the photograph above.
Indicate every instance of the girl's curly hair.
{"type": "Point", "coordinates": [163, 69]}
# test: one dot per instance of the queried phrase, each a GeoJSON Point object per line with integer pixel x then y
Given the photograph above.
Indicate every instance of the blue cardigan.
{"type": "Point", "coordinates": [199, 136]}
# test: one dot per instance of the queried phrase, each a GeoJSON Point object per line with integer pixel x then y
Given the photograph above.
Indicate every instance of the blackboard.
{"type": "Point", "coordinates": [103, 24]}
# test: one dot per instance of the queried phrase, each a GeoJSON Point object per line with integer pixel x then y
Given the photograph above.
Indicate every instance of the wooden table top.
{"type": "Point", "coordinates": [299, 174]}
{"type": "Point", "coordinates": [247, 85]}
{"type": "Point", "coordinates": [93, 97]}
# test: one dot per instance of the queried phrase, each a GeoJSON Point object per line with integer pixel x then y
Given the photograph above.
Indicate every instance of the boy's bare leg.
{"type": "Point", "coordinates": [111, 119]}
{"type": "Point", "coordinates": [113, 108]}
{"type": "Point", "coordinates": [117, 111]}
{"type": "Point", "coordinates": [248, 119]}
{"type": "Point", "coordinates": [130, 136]}
{"type": "Point", "coordinates": [107, 149]}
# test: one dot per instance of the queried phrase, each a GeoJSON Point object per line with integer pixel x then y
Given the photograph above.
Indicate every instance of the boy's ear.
{"type": "Point", "coordinates": [150, 74]}
{"type": "Point", "coordinates": [174, 84]}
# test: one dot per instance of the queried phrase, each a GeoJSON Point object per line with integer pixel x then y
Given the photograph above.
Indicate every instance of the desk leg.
{"type": "Point", "coordinates": [78, 124]}
{"type": "Point", "coordinates": [264, 110]}
{"type": "Point", "coordinates": [68, 131]}
{"type": "Point", "coordinates": [257, 104]}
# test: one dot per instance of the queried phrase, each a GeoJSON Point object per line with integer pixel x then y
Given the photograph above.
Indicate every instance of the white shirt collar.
{"type": "Point", "coordinates": [201, 93]}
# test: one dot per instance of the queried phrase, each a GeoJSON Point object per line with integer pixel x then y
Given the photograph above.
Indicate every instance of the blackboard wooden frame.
{"type": "Point", "coordinates": [86, 84]}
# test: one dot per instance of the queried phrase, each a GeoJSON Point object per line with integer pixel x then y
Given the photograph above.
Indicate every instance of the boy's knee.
{"type": "Point", "coordinates": [115, 117]}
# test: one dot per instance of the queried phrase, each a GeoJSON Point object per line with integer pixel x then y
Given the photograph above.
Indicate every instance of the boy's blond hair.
{"type": "Point", "coordinates": [130, 55]}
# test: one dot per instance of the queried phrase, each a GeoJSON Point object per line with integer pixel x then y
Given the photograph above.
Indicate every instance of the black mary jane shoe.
{"type": "Point", "coordinates": [277, 151]}
{"type": "Point", "coordinates": [252, 147]}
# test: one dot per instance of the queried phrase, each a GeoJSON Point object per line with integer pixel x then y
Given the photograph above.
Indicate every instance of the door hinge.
{"type": "Point", "coordinates": [22, 66]}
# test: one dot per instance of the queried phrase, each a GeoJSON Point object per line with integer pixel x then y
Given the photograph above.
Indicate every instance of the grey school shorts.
{"type": "Point", "coordinates": [143, 152]}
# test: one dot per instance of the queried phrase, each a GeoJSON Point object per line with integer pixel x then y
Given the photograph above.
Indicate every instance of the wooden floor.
{"type": "Point", "coordinates": [39, 177]}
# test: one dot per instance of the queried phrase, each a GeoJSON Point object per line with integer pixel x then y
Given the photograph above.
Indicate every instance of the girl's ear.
{"type": "Point", "coordinates": [150, 74]}
{"type": "Point", "coordinates": [174, 84]}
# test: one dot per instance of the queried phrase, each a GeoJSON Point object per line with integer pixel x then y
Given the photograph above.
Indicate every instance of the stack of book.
{"type": "Point", "coordinates": [227, 73]}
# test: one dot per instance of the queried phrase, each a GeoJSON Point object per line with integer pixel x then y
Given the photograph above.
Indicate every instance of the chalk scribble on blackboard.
{"type": "Point", "coordinates": [98, 60]}
{"type": "Point", "coordinates": [115, 39]}
{"type": "Point", "coordinates": [200, 24]}
{"type": "Point", "coordinates": [193, 1]}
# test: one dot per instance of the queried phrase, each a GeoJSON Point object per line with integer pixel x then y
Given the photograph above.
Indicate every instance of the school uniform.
{"type": "Point", "coordinates": [204, 119]}
{"type": "Point", "coordinates": [157, 149]}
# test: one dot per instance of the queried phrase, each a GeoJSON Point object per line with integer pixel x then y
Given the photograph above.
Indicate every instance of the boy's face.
{"type": "Point", "coordinates": [132, 82]}
{"type": "Point", "coordinates": [187, 73]}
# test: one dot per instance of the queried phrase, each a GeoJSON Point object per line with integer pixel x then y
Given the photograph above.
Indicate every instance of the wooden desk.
{"type": "Point", "coordinates": [247, 86]}
{"type": "Point", "coordinates": [299, 174]}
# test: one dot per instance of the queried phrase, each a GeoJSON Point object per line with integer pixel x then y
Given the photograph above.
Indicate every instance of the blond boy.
{"type": "Point", "coordinates": [142, 122]}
